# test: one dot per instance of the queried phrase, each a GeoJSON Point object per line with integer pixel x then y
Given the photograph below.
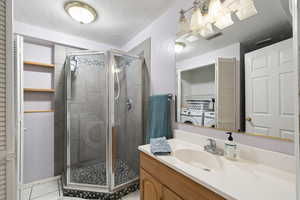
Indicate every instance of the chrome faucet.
{"type": "Point", "coordinates": [212, 147]}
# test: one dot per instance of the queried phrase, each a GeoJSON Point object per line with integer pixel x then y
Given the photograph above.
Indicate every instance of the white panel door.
{"type": "Point", "coordinates": [270, 84]}
{"type": "Point", "coordinates": [226, 94]}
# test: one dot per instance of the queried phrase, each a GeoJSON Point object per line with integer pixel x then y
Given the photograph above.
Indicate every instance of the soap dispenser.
{"type": "Point", "coordinates": [230, 151]}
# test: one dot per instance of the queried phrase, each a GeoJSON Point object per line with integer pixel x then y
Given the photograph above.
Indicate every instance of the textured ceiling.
{"type": "Point", "coordinates": [272, 20]}
{"type": "Point", "coordinates": [119, 20]}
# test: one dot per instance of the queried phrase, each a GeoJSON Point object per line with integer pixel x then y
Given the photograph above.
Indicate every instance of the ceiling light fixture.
{"type": "Point", "coordinates": [179, 46]}
{"type": "Point", "coordinates": [214, 13]}
{"type": "Point", "coordinates": [81, 12]}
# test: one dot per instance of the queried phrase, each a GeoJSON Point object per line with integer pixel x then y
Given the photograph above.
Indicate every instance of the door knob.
{"type": "Point", "coordinates": [249, 119]}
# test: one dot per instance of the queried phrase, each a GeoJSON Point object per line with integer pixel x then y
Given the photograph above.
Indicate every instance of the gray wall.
{"type": "Point", "coordinates": [144, 49]}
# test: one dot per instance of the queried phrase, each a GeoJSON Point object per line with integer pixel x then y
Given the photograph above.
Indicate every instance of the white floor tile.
{"type": "Point", "coordinates": [25, 194]}
{"type": "Point", "coordinates": [44, 189]}
{"type": "Point", "coordinates": [132, 196]}
{"type": "Point", "coordinates": [50, 196]}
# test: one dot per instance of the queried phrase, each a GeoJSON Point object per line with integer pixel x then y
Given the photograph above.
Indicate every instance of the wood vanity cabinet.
{"type": "Point", "coordinates": [159, 182]}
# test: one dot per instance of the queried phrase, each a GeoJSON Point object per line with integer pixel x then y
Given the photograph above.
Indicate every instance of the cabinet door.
{"type": "Point", "coordinates": [227, 94]}
{"type": "Point", "coordinates": [169, 195]}
{"type": "Point", "coordinates": [150, 188]}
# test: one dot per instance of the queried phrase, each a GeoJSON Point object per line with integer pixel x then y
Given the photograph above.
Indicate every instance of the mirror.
{"type": "Point", "coordinates": [237, 74]}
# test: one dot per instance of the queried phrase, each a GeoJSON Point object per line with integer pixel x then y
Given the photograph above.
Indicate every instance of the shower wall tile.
{"type": "Point", "coordinates": [74, 152]}
{"type": "Point", "coordinates": [92, 139]}
{"type": "Point", "coordinates": [75, 127]}
{"type": "Point", "coordinates": [95, 104]}
{"type": "Point", "coordinates": [88, 113]}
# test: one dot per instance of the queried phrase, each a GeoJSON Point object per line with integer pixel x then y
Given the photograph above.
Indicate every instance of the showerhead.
{"type": "Point", "coordinates": [74, 64]}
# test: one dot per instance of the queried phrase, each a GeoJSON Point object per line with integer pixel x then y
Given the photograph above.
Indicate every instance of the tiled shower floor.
{"type": "Point", "coordinates": [96, 173]}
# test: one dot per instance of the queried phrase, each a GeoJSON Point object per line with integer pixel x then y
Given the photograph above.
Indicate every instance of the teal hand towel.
{"type": "Point", "coordinates": [159, 119]}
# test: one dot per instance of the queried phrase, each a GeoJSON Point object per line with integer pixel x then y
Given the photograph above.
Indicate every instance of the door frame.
{"type": "Point", "coordinates": [295, 7]}
{"type": "Point", "coordinates": [11, 154]}
{"type": "Point", "coordinates": [18, 110]}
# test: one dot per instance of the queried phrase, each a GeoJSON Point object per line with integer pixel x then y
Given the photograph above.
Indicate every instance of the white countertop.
{"type": "Point", "coordinates": [236, 180]}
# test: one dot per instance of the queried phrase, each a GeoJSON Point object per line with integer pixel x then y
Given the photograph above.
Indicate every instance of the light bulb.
{"type": "Point", "coordinates": [179, 46]}
{"type": "Point", "coordinates": [224, 21]}
{"type": "Point", "coordinates": [215, 9]}
{"type": "Point", "coordinates": [207, 31]}
{"type": "Point", "coordinates": [247, 9]}
{"type": "Point", "coordinates": [232, 5]}
{"type": "Point", "coordinates": [184, 26]}
{"type": "Point", "coordinates": [197, 20]}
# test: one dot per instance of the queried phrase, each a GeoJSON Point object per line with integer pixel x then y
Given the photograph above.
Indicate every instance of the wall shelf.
{"type": "Point", "coordinates": [38, 111]}
{"type": "Point", "coordinates": [38, 90]}
{"type": "Point", "coordinates": [37, 64]}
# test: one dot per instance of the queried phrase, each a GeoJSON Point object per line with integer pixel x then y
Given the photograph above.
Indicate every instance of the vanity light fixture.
{"type": "Point", "coordinates": [81, 12]}
{"type": "Point", "coordinates": [197, 20]}
{"type": "Point", "coordinates": [207, 14]}
{"type": "Point", "coordinates": [179, 46]}
{"type": "Point", "coordinates": [183, 23]}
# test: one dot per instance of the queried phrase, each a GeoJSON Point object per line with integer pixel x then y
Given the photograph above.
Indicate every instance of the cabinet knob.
{"type": "Point", "coordinates": [249, 119]}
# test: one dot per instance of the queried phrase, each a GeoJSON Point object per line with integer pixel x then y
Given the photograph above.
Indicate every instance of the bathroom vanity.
{"type": "Point", "coordinates": [190, 173]}
{"type": "Point", "coordinates": [159, 182]}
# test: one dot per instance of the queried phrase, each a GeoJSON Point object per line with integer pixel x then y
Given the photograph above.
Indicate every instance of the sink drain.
{"type": "Point", "coordinates": [206, 169]}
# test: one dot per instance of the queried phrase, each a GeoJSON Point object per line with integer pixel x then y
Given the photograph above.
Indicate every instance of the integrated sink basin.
{"type": "Point", "coordinates": [198, 159]}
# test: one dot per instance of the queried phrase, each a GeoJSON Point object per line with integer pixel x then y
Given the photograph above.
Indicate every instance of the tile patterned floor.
{"type": "Point", "coordinates": [50, 191]}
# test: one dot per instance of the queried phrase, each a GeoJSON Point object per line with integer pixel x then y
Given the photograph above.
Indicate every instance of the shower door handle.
{"type": "Point", "coordinates": [129, 104]}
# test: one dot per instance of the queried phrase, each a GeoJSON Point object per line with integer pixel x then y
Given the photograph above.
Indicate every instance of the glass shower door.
{"type": "Point", "coordinates": [127, 126]}
{"type": "Point", "coordinates": [87, 119]}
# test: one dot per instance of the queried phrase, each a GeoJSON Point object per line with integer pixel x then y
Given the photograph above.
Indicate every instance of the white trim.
{"type": "Point", "coordinates": [179, 89]}
{"type": "Point", "coordinates": [295, 7]}
{"type": "Point", "coordinates": [11, 191]}
{"type": "Point", "coordinates": [18, 112]}
{"type": "Point", "coordinates": [58, 37]}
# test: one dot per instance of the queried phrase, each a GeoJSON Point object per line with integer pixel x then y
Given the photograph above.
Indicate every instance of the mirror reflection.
{"type": "Point", "coordinates": [235, 67]}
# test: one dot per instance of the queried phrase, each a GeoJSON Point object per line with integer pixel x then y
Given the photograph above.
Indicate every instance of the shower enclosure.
{"type": "Point", "coordinates": [104, 113]}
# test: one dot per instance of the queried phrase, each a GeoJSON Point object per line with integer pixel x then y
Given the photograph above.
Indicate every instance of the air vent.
{"type": "Point", "coordinates": [264, 41]}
